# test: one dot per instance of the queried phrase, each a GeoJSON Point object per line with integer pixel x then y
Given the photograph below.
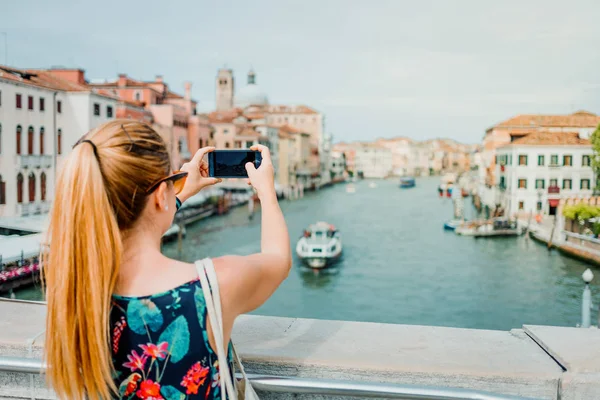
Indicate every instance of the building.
{"type": "Point", "coordinates": [401, 154]}
{"type": "Point", "coordinates": [537, 170]}
{"type": "Point", "coordinates": [337, 166]}
{"type": "Point", "coordinates": [373, 161]}
{"type": "Point", "coordinates": [173, 115]}
{"type": "Point", "coordinates": [42, 115]}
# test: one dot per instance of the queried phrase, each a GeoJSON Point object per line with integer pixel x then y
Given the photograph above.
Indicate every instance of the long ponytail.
{"type": "Point", "coordinates": [80, 274]}
{"type": "Point", "coordinates": [97, 200]}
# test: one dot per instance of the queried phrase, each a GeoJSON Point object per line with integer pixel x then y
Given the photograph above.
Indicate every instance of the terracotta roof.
{"type": "Point", "coordinates": [290, 129]}
{"type": "Point", "coordinates": [224, 117]}
{"type": "Point", "coordinates": [41, 78]}
{"type": "Point", "coordinates": [173, 95]}
{"type": "Point", "coordinates": [284, 135]}
{"type": "Point", "coordinates": [580, 119]}
{"type": "Point", "coordinates": [254, 115]}
{"type": "Point", "coordinates": [281, 109]}
{"type": "Point", "coordinates": [545, 138]}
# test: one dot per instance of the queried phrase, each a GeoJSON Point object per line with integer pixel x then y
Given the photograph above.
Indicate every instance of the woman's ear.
{"type": "Point", "coordinates": [161, 197]}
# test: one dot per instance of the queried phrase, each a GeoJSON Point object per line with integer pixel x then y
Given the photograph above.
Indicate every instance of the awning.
{"type": "Point", "coordinates": [553, 202]}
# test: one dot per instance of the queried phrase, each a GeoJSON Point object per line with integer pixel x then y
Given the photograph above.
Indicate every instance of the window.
{"type": "Point", "coordinates": [585, 184]}
{"type": "Point", "coordinates": [237, 144]}
{"type": "Point", "coordinates": [567, 161]}
{"type": "Point", "coordinates": [59, 106]}
{"type": "Point", "coordinates": [59, 141]}
{"type": "Point", "coordinates": [199, 143]}
{"type": "Point", "coordinates": [586, 161]}
{"type": "Point", "coordinates": [2, 191]}
{"type": "Point", "coordinates": [522, 183]}
{"type": "Point", "coordinates": [30, 140]}
{"type": "Point", "coordinates": [109, 112]}
{"type": "Point", "coordinates": [502, 183]}
{"type": "Point", "coordinates": [18, 101]}
{"type": "Point", "coordinates": [553, 183]}
{"type": "Point", "coordinates": [541, 160]}
{"type": "Point", "coordinates": [521, 205]}
{"type": "Point", "coordinates": [138, 95]}
{"type": "Point", "coordinates": [225, 131]}
{"type": "Point", "coordinates": [566, 184]}
{"type": "Point", "coordinates": [0, 138]}
{"type": "Point", "coordinates": [227, 145]}
{"type": "Point", "coordinates": [31, 187]}
{"type": "Point", "coordinates": [522, 159]}
{"type": "Point", "coordinates": [19, 129]}
{"type": "Point", "coordinates": [179, 145]}
{"type": "Point", "coordinates": [96, 109]}
{"type": "Point", "coordinates": [42, 140]}
{"type": "Point", "coordinates": [42, 104]}
{"type": "Point", "coordinates": [539, 183]}
{"type": "Point", "coordinates": [30, 102]}
{"type": "Point", "coordinates": [539, 206]}
{"type": "Point", "coordinates": [20, 188]}
{"type": "Point", "coordinates": [554, 159]}
{"type": "Point", "coordinates": [43, 186]}
{"type": "Point", "coordinates": [212, 135]}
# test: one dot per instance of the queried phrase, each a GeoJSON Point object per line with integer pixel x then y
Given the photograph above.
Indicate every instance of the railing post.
{"type": "Point", "coordinates": [586, 304]}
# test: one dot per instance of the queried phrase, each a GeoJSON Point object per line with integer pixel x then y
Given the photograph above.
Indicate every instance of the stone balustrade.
{"type": "Point", "coordinates": [535, 361]}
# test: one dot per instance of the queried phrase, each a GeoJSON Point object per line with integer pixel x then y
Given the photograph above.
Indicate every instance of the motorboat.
{"type": "Point", "coordinates": [372, 185]}
{"type": "Point", "coordinates": [453, 224]}
{"type": "Point", "coordinates": [499, 227]}
{"type": "Point", "coordinates": [407, 182]}
{"type": "Point", "coordinates": [320, 245]}
{"type": "Point", "coordinates": [350, 188]}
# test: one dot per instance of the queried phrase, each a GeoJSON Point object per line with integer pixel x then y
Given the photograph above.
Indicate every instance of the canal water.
{"type": "Point", "coordinates": [400, 266]}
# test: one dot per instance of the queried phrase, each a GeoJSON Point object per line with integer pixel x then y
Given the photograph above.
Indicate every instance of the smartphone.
{"type": "Point", "coordinates": [231, 163]}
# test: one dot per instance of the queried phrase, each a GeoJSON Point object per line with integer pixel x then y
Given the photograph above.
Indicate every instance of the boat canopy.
{"type": "Point", "coordinates": [12, 248]}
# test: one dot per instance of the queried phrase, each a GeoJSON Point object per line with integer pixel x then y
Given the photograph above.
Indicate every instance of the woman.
{"type": "Point", "coordinates": [123, 320]}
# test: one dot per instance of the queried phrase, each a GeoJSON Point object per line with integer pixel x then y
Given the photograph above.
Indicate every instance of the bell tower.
{"type": "Point", "coordinates": [224, 90]}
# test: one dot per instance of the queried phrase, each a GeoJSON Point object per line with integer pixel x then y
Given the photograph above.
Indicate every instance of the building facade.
{"type": "Point", "coordinates": [535, 171]}
{"type": "Point", "coordinates": [372, 161]}
{"type": "Point", "coordinates": [42, 115]}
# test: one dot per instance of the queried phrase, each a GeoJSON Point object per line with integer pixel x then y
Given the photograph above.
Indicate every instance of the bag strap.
{"type": "Point", "coordinates": [206, 269]}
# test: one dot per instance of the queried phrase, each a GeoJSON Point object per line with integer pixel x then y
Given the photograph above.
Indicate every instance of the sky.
{"type": "Point", "coordinates": [375, 68]}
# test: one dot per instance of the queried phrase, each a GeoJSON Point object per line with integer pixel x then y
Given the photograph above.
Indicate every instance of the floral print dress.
{"type": "Point", "coordinates": [160, 347]}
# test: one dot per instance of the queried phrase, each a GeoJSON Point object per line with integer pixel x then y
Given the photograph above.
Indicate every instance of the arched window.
{"type": "Point", "coordinates": [19, 130]}
{"type": "Point", "coordinates": [59, 141]}
{"type": "Point", "coordinates": [227, 145]}
{"type": "Point", "coordinates": [31, 187]}
{"type": "Point", "coordinates": [200, 143]}
{"type": "Point", "coordinates": [0, 138]}
{"type": "Point", "coordinates": [30, 140]}
{"type": "Point", "coordinates": [43, 185]}
{"type": "Point", "coordinates": [2, 191]}
{"type": "Point", "coordinates": [20, 188]}
{"type": "Point", "coordinates": [42, 140]}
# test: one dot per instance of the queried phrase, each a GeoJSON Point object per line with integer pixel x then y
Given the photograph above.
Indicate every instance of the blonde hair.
{"type": "Point", "coordinates": [100, 193]}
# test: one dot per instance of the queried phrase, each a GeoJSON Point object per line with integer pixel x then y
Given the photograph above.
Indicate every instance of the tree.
{"type": "Point", "coordinates": [595, 140]}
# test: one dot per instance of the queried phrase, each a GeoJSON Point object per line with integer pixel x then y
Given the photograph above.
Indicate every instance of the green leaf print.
{"type": "Point", "coordinates": [200, 305]}
{"type": "Point", "coordinates": [170, 393]}
{"type": "Point", "coordinates": [142, 314]}
{"type": "Point", "coordinates": [177, 335]}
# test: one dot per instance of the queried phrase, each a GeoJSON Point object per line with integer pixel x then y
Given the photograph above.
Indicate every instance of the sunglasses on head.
{"type": "Point", "coordinates": [178, 178]}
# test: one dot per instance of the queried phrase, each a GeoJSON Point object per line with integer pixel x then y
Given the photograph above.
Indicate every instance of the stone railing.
{"type": "Point", "coordinates": [584, 241]}
{"type": "Point", "coordinates": [533, 362]}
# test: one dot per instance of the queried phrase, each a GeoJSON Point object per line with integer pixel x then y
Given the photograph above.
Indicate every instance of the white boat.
{"type": "Point", "coordinates": [350, 188]}
{"type": "Point", "coordinates": [372, 185]}
{"type": "Point", "coordinates": [173, 232]}
{"type": "Point", "coordinates": [320, 245]}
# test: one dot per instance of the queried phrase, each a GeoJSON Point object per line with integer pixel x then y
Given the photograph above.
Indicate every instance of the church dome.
{"type": "Point", "coordinates": [251, 94]}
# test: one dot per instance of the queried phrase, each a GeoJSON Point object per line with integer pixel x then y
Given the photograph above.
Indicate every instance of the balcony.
{"type": "Point", "coordinates": [25, 209]}
{"type": "Point", "coordinates": [554, 165]}
{"type": "Point", "coordinates": [30, 161]}
{"type": "Point", "coordinates": [553, 190]}
{"type": "Point", "coordinates": [46, 161]}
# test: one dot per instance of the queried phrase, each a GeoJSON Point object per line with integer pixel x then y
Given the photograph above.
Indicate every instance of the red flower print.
{"type": "Point", "coordinates": [155, 351]}
{"type": "Point", "coordinates": [117, 331]}
{"type": "Point", "coordinates": [149, 390]}
{"type": "Point", "coordinates": [135, 361]}
{"type": "Point", "coordinates": [194, 378]}
{"type": "Point", "coordinates": [132, 384]}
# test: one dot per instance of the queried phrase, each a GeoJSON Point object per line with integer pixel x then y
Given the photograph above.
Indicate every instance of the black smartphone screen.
{"type": "Point", "coordinates": [231, 163]}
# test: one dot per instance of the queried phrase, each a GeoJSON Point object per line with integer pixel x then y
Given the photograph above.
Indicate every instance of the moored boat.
{"type": "Point", "coordinates": [407, 182]}
{"type": "Point", "coordinates": [453, 224]}
{"type": "Point", "coordinates": [320, 245]}
{"type": "Point", "coordinates": [499, 227]}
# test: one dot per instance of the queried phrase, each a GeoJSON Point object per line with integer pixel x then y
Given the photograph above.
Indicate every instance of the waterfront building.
{"type": "Point", "coordinates": [401, 149]}
{"type": "Point", "coordinates": [42, 114]}
{"type": "Point", "coordinates": [337, 166]}
{"type": "Point", "coordinates": [173, 115]}
{"type": "Point", "coordinates": [502, 133]}
{"type": "Point", "coordinates": [536, 170]}
{"type": "Point", "coordinates": [373, 161]}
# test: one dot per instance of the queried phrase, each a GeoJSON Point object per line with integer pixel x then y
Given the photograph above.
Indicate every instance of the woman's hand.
{"type": "Point", "coordinates": [263, 178]}
{"type": "Point", "coordinates": [197, 178]}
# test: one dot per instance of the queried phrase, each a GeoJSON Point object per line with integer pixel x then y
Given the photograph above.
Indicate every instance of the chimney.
{"type": "Point", "coordinates": [188, 90]}
{"type": "Point", "coordinates": [122, 80]}
{"type": "Point", "coordinates": [159, 79]}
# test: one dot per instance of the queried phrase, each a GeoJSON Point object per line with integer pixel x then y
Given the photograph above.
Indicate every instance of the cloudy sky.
{"type": "Point", "coordinates": [376, 68]}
